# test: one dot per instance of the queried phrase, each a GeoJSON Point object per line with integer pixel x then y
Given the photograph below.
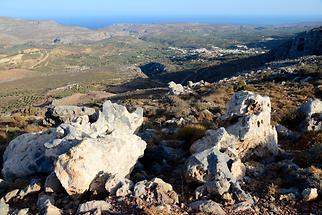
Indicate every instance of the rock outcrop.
{"type": "Point", "coordinates": [253, 129]}
{"type": "Point", "coordinates": [312, 112]}
{"type": "Point", "coordinates": [176, 89]}
{"type": "Point", "coordinates": [215, 164]}
{"type": "Point", "coordinates": [113, 146]}
{"type": "Point", "coordinates": [67, 114]}
{"type": "Point", "coordinates": [216, 160]}
{"type": "Point", "coordinates": [306, 43]}
{"type": "Point", "coordinates": [179, 89]}
{"type": "Point", "coordinates": [113, 155]}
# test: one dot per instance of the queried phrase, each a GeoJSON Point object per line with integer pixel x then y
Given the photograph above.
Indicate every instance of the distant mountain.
{"type": "Point", "coordinates": [306, 43]}
{"type": "Point", "coordinates": [18, 31]}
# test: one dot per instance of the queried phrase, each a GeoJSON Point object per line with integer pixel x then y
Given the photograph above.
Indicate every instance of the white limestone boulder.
{"type": "Point", "coordinates": [25, 155]}
{"type": "Point", "coordinates": [37, 153]}
{"type": "Point", "coordinates": [120, 120]}
{"type": "Point", "coordinates": [253, 128]}
{"type": "Point", "coordinates": [113, 154]}
{"type": "Point", "coordinates": [312, 111]}
{"type": "Point", "coordinates": [219, 137]}
{"type": "Point", "coordinates": [175, 89]}
{"type": "Point", "coordinates": [216, 167]}
{"type": "Point", "coordinates": [216, 160]}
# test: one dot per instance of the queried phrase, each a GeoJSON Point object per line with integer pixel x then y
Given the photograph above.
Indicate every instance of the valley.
{"type": "Point", "coordinates": [40, 56]}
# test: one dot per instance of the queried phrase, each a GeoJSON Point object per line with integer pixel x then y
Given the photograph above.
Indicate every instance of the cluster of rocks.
{"type": "Point", "coordinates": [95, 151]}
{"type": "Point", "coordinates": [76, 153]}
{"type": "Point", "coordinates": [281, 70]}
{"type": "Point", "coordinates": [179, 89]}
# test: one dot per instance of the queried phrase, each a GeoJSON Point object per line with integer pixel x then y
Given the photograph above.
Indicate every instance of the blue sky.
{"type": "Point", "coordinates": [77, 8]}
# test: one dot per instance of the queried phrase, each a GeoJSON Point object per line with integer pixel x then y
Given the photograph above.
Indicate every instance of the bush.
{"type": "Point", "coordinates": [240, 86]}
{"type": "Point", "coordinates": [191, 133]}
{"type": "Point", "coordinates": [179, 107]}
{"type": "Point", "coordinates": [308, 150]}
{"type": "Point", "coordinates": [309, 70]}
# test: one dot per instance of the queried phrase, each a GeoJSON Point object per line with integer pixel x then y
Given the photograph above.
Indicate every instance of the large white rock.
{"type": "Point", "coordinates": [113, 154]}
{"type": "Point", "coordinates": [111, 133]}
{"type": "Point", "coordinates": [216, 160]}
{"type": "Point", "coordinates": [253, 127]}
{"type": "Point", "coordinates": [120, 120]}
{"type": "Point", "coordinates": [216, 166]}
{"type": "Point", "coordinates": [175, 89]}
{"type": "Point", "coordinates": [219, 138]}
{"type": "Point", "coordinates": [312, 110]}
{"type": "Point", "coordinates": [25, 155]}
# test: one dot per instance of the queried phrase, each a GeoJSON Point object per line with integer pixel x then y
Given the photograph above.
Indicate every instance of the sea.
{"type": "Point", "coordinates": [105, 21]}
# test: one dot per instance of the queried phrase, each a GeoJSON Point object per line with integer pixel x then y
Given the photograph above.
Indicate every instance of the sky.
{"type": "Point", "coordinates": [90, 8]}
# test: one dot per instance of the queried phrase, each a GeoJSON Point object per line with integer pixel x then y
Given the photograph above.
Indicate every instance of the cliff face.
{"type": "Point", "coordinates": [306, 43]}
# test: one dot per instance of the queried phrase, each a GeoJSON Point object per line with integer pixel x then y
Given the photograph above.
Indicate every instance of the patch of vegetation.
{"type": "Point", "coordinates": [307, 149]}
{"type": "Point", "coordinates": [179, 107]}
{"type": "Point", "coordinates": [191, 133]}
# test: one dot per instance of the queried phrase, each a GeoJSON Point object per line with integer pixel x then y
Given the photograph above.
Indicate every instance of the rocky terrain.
{"type": "Point", "coordinates": [177, 129]}
{"type": "Point", "coordinates": [249, 144]}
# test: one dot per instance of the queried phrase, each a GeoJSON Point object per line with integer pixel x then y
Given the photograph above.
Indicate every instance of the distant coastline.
{"type": "Point", "coordinates": [105, 21]}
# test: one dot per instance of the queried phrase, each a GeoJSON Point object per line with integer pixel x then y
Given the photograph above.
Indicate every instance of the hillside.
{"type": "Point", "coordinates": [18, 31]}
{"type": "Point", "coordinates": [305, 43]}
{"type": "Point", "coordinates": [249, 144]}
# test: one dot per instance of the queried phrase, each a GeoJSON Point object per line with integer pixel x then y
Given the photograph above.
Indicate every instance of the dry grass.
{"type": "Point", "coordinates": [191, 133]}
{"type": "Point", "coordinates": [179, 107]}
{"type": "Point", "coordinates": [307, 151]}
{"type": "Point", "coordinates": [220, 95]}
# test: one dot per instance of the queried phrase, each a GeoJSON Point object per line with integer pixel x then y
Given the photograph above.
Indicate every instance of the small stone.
{"type": "Point", "coordinates": [125, 187]}
{"type": "Point", "coordinates": [312, 110]}
{"type": "Point", "coordinates": [207, 206]}
{"type": "Point", "coordinates": [310, 194]}
{"type": "Point", "coordinates": [46, 206]}
{"type": "Point", "coordinates": [11, 194]}
{"type": "Point", "coordinates": [287, 197]}
{"type": "Point", "coordinates": [119, 187]}
{"type": "Point", "coordinates": [156, 191]}
{"type": "Point", "coordinates": [94, 207]}
{"type": "Point", "coordinates": [175, 89]}
{"type": "Point", "coordinates": [52, 184]}
{"type": "Point", "coordinates": [3, 184]}
{"type": "Point", "coordinates": [227, 197]}
{"type": "Point", "coordinates": [200, 192]}
{"type": "Point", "coordinates": [24, 211]}
{"type": "Point", "coordinates": [243, 206]}
{"type": "Point", "coordinates": [238, 169]}
{"type": "Point", "coordinates": [32, 188]}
